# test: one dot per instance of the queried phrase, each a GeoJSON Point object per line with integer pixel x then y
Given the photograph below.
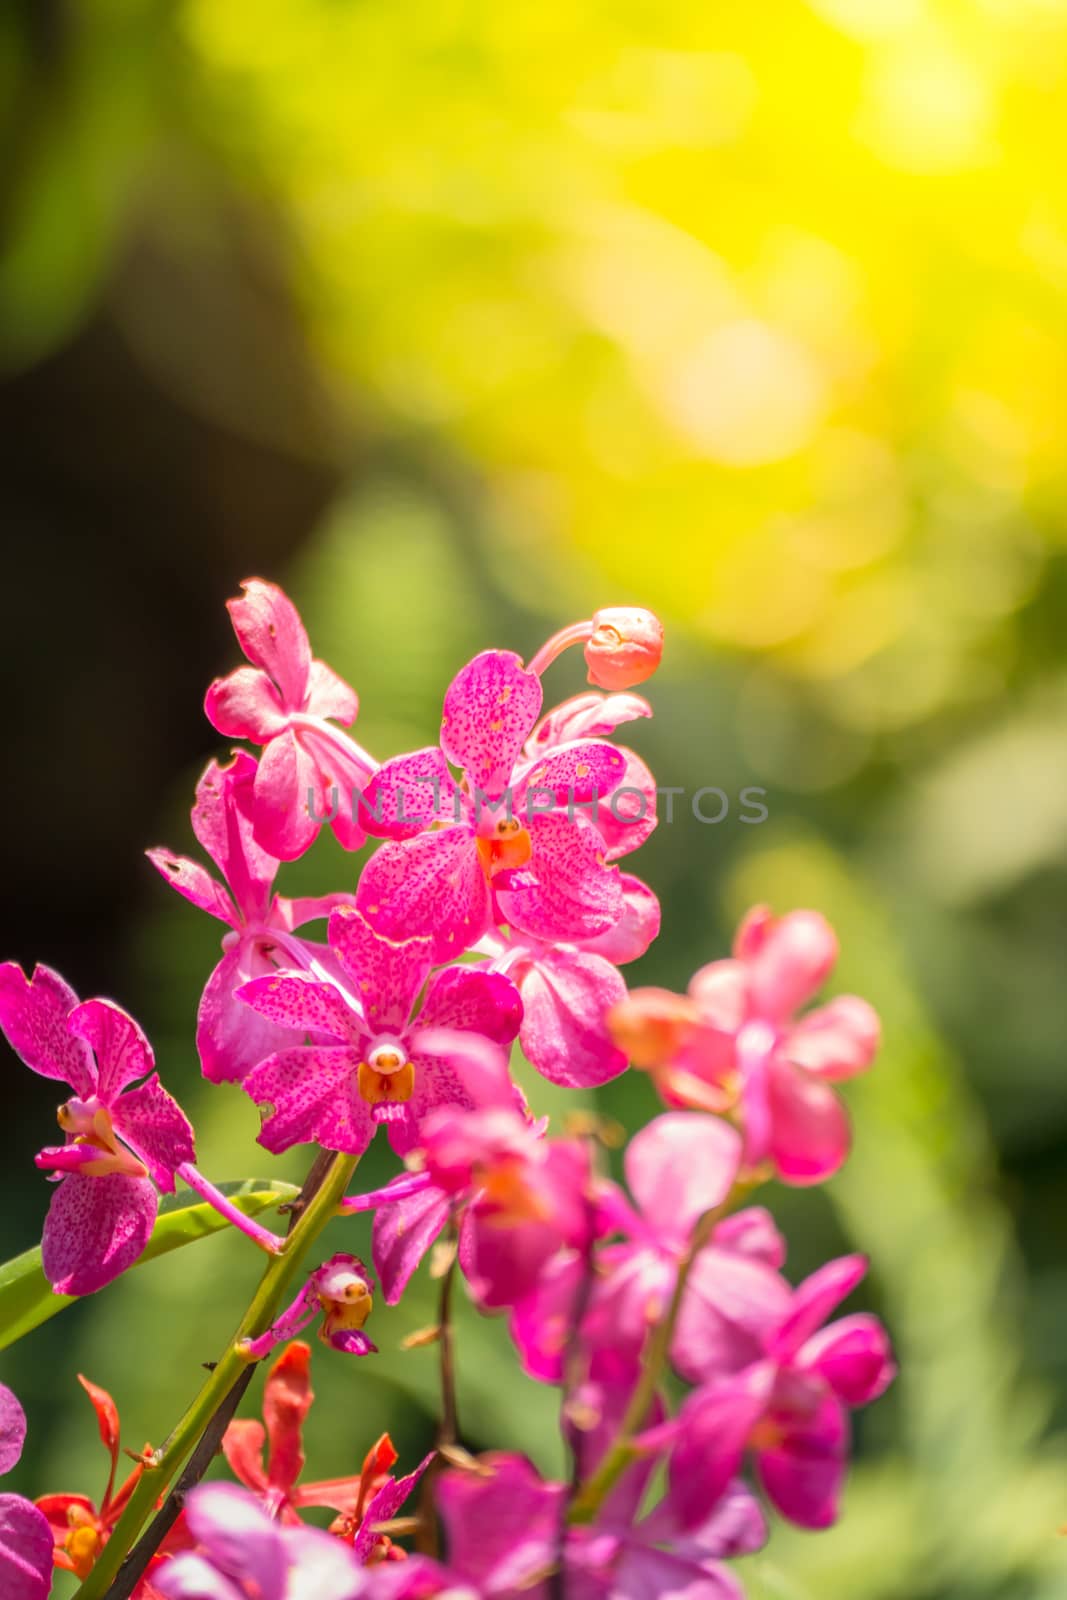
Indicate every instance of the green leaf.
{"type": "Point", "coordinates": [26, 1297]}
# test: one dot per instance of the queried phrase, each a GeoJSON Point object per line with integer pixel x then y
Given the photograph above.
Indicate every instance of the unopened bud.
{"type": "Point", "coordinates": [625, 647]}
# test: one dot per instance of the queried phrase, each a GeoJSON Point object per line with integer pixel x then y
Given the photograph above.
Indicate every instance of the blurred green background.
{"type": "Point", "coordinates": [461, 319]}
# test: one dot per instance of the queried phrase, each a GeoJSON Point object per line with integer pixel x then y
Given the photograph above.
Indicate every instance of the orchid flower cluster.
{"type": "Point", "coordinates": [698, 1390]}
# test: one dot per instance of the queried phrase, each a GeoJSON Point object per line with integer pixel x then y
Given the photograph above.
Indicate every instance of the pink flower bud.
{"type": "Point", "coordinates": [625, 647]}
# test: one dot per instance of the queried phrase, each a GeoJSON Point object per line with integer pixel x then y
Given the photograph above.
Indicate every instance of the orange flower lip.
{"type": "Point", "coordinates": [508, 846]}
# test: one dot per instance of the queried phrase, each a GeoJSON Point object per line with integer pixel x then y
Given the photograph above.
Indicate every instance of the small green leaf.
{"type": "Point", "coordinates": [26, 1297]}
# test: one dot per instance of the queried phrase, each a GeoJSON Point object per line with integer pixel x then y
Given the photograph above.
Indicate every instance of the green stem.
{"type": "Point", "coordinates": [166, 1462]}
{"type": "Point", "coordinates": [591, 1494]}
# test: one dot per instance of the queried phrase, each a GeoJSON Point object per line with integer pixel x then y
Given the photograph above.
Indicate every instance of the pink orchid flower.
{"type": "Point", "coordinates": [680, 1166]}
{"type": "Point", "coordinates": [25, 1535]}
{"type": "Point", "coordinates": [342, 1291]}
{"type": "Point", "coordinates": [288, 703]}
{"type": "Point", "coordinates": [518, 1197]}
{"type": "Point", "coordinates": [122, 1142]}
{"type": "Point", "coordinates": [388, 1065]}
{"type": "Point", "coordinates": [789, 1409]}
{"type": "Point", "coordinates": [229, 1037]}
{"type": "Point", "coordinates": [734, 1043]}
{"type": "Point", "coordinates": [505, 1535]}
{"type": "Point", "coordinates": [242, 1554]}
{"type": "Point", "coordinates": [510, 842]}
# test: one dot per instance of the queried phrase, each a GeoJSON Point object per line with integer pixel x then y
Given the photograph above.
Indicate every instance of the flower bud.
{"type": "Point", "coordinates": [625, 647]}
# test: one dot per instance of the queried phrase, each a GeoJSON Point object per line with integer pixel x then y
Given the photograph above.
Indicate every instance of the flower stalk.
{"type": "Point", "coordinates": [590, 1496]}
{"type": "Point", "coordinates": [167, 1461]}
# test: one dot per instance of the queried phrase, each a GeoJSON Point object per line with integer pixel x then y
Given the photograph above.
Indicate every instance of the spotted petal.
{"type": "Point", "coordinates": [403, 1231]}
{"type": "Point", "coordinates": [33, 1015]}
{"type": "Point", "coordinates": [313, 1098]}
{"type": "Point", "coordinates": [300, 1003]}
{"type": "Point", "coordinates": [473, 1000]}
{"type": "Point", "coordinates": [452, 1069]}
{"type": "Point", "coordinates": [123, 1053]}
{"type": "Point", "coordinates": [408, 793]}
{"type": "Point", "coordinates": [433, 885]}
{"type": "Point", "coordinates": [387, 974]}
{"type": "Point", "coordinates": [568, 891]}
{"type": "Point", "coordinates": [155, 1127]}
{"type": "Point", "coordinates": [12, 1429]}
{"type": "Point", "coordinates": [490, 708]}
{"type": "Point", "coordinates": [95, 1229]}
{"type": "Point", "coordinates": [222, 819]}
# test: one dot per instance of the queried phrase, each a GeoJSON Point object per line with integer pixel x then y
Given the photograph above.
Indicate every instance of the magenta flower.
{"type": "Point", "coordinates": [734, 1041]}
{"type": "Point", "coordinates": [503, 1525]}
{"type": "Point", "coordinates": [679, 1167]}
{"type": "Point", "coordinates": [388, 1065]}
{"type": "Point", "coordinates": [288, 703]}
{"type": "Point", "coordinates": [122, 1142]}
{"type": "Point", "coordinates": [229, 1037]}
{"type": "Point", "coordinates": [510, 842]}
{"type": "Point", "coordinates": [790, 1409]}
{"type": "Point", "coordinates": [343, 1291]}
{"type": "Point", "coordinates": [25, 1534]}
{"type": "Point", "coordinates": [519, 1199]}
{"type": "Point", "coordinates": [241, 1554]}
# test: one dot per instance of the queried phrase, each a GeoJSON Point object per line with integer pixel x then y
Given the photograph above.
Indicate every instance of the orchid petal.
{"type": "Point", "coordinates": [568, 891]}
{"type": "Point", "coordinates": [95, 1229]}
{"type": "Point", "coordinates": [329, 696]}
{"type": "Point", "coordinates": [33, 1016]}
{"type": "Point", "coordinates": [854, 1357]}
{"type": "Point", "coordinates": [313, 1099]}
{"type": "Point", "coordinates": [25, 1550]}
{"type": "Point", "coordinates": [387, 973]}
{"type": "Point", "coordinates": [679, 1166]}
{"type": "Point", "coordinates": [238, 1537]}
{"type": "Point", "coordinates": [222, 819]}
{"type": "Point", "coordinates": [193, 881]}
{"type": "Point", "coordinates": [408, 793]}
{"type": "Point", "coordinates": [809, 1133]}
{"type": "Point", "coordinates": [156, 1129]}
{"type": "Point", "coordinates": [123, 1053]}
{"type": "Point", "coordinates": [815, 1299]}
{"type": "Point", "coordinates": [12, 1429]}
{"type": "Point", "coordinates": [473, 1000]}
{"type": "Point", "coordinates": [433, 885]}
{"type": "Point", "coordinates": [301, 1004]}
{"type": "Point", "coordinates": [804, 1476]}
{"type": "Point", "coordinates": [565, 995]}
{"type": "Point", "coordinates": [272, 636]}
{"type": "Point", "coordinates": [490, 707]}
{"type": "Point", "coordinates": [287, 779]}
{"type": "Point", "coordinates": [402, 1233]}
{"type": "Point", "coordinates": [836, 1041]}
